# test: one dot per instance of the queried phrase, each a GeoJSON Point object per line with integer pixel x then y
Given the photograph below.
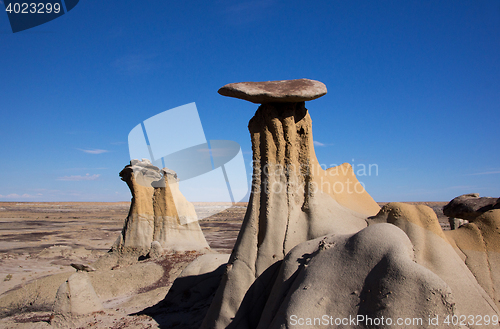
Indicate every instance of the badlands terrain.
{"type": "Point", "coordinates": [38, 240]}
{"type": "Point", "coordinates": [42, 239]}
{"type": "Point", "coordinates": [302, 252]}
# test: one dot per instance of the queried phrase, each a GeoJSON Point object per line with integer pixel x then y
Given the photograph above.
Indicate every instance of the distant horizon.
{"type": "Point", "coordinates": [194, 202]}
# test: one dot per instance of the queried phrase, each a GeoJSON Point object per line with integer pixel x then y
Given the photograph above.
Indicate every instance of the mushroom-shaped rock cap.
{"type": "Point", "coordinates": [282, 91]}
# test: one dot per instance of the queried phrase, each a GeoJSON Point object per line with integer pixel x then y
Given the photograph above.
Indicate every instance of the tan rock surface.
{"type": "Point", "coordinates": [292, 200]}
{"type": "Point", "coordinates": [40, 239]}
{"type": "Point", "coordinates": [158, 212]}
{"type": "Point", "coordinates": [176, 222]}
{"type": "Point", "coordinates": [138, 229]}
{"type": "Point", "coordinates": [433, 251]}
{"type": "Point", "coordinates": [77, 296]}
{"type": "Point", "coordinates": [370, 273]}
{"type": "Point", "coordinates": [478, 244]}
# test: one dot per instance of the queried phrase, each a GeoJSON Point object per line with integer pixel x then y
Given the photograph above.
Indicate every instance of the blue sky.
{"type": "Point", "coordinates": [413, 87]}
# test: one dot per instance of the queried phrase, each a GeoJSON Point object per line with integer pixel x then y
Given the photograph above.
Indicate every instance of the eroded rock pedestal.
{"type": "Point", "coordinates": [314, 244]}
{"type": "Point", "coordinates": [292, 199]}
{"type": "Point", "coordinates": [158, 212]}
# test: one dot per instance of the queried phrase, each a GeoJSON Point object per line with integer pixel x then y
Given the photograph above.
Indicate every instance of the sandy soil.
{"type": "Point", "coordinates": [39, 241]}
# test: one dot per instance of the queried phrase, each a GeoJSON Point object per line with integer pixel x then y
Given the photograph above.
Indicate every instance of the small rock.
{"type": "Point", "coordinates": [156, 250]}
{"type": "Point", "coordinates": [82, 267]}
{"type": "Point", "coordinates": [77, 296]}
{"type": "Point", "coordinates": [456, 222]}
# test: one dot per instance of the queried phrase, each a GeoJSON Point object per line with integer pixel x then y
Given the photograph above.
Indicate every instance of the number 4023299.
{"type": "Point", "coordinates": [33, 8]}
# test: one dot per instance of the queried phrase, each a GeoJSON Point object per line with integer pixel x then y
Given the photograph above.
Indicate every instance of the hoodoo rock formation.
{"type": "Point", "coordinates": [293, 199]}
{"type": "Point", "coordinates": [158, 212]}
{"type": "Point", "coordinates": [309, 246]}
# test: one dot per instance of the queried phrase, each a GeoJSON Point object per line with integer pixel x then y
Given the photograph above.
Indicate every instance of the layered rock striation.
{"type": "Point", "coordinates": [292, 200]}
{"type": "Point", "coordinates": [478, 245]}
{"type": "Point", "coordinates": [158, 212]}
{"type": "Point", "coordinates": [308, 248]}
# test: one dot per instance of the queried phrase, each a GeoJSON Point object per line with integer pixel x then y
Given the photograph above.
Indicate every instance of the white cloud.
{"type": "Point", "coordinates": [316, 143]}
{"type": "Point", "coordinates": [135, 64]}
{"type": "Point", "coordinates": [79, 177]}
{"type": "Point", "coordinates": [462, 187]}
{"type": "Point", "coordinates": [94, 151]}
{"type": "Point", "coordinates": [85, 168]}
{"type": "Point", "coordinates": [487, 173]}
{"type": "Point", "coordinates": [17, 196]}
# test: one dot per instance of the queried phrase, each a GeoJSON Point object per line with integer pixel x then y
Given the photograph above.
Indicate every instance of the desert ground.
{"type": "Point", "coordinates": [39, 241]}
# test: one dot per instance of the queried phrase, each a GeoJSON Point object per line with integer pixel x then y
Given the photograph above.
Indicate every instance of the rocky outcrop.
{"type": "Point", "coordinates": [158, 212]}
{"type": "Point", "coordinates": [478, 245]}
{"type": "Point", "coordinates": [434, 251]}
{"type": "Point", "coordinates": [309, 248]}
{"type": "Point", "coordinates": [77, 296]}
{"type": "Point", "coordinates": [470, 206]}
{"type": "Point", "coordinates": [362, 277]}
{"type": "Point", "coordinates": [187, 301]}
{"type": "Point", "coordinates": [176, 225]}
{"type": "Point", "coordinates": [400, 266]}
{"type": "Point", "coordinates": [293, 199]}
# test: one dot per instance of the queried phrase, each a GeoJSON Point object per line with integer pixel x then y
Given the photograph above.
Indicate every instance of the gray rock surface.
{"type": "Point", "coordinates": [298, 90]}
{"type": "Point", "coordinates": [77, 296]}
{"type": "Point", "coordinates": [370, 273]}
{"type": "Point", "coordinates": [156, 250]}
{"type": "Point", "coordinates": [188, 299]}
{"type": "Point", "coordinates": [456, 222]}
{"type": "Point", "coordinates": [434, 250]}
{"type": "Point", "coordinates": [404, 270]}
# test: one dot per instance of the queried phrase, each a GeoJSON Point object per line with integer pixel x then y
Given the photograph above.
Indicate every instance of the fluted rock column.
{"type": "Point", "coordinates": [158, 212]}
{"type": "Point", "coordinates": [137, 232]}
{"type": "Point", "coordinates": [292, 199]}
{"type": "Point", "coordinates": [176, 223]}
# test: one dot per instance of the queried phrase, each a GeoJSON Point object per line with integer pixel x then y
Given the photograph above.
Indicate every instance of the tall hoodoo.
{"type": "Point", "coordinates": [158, 212]}
{"type": "Point", "coordinates": [292, 199]}
{"type": "Point", "coordinates": [137, 232]}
